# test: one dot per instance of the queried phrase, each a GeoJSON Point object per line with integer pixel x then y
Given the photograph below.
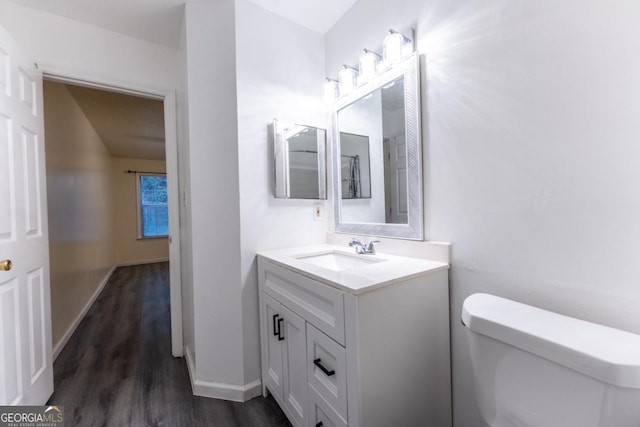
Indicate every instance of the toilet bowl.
{"type": "Point", "coordinates": [535, 368]}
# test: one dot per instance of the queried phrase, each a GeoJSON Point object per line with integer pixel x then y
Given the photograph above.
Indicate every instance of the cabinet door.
{"type": "Point", "coordinates": [272, 376]}
{"type": "Point", "coordinates": [295, 366]}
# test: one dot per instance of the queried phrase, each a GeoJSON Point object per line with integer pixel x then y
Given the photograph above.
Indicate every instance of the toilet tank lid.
{"type": "Point", "coordinates": [605, 353]}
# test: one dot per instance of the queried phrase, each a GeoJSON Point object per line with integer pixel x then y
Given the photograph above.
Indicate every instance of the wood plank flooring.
{"type": "Point", "coordinates": [117, 368]}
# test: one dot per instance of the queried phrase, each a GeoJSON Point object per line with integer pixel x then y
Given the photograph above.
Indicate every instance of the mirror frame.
{"type": "Point", "coordinates": [409, 68]}
{"type": "Point", "coordinates": [282, 184]}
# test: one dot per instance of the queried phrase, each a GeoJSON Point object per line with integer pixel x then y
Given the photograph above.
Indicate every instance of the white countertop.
{"type": "Point", "coordinates": [389, 270]}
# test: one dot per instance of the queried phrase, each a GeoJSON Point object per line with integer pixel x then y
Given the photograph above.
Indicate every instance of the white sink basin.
{"type": "Point", "coordinates": [338, 261]}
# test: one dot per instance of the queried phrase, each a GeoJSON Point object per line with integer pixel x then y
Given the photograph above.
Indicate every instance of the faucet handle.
{"type": "Point", "coordinates": [355, 242]}
{"type": "Point", "coordinates": [370, 248]}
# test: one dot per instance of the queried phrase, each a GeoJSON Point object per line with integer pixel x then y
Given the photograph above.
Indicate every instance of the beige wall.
{"type": "Point", "coordinates": [80, 207]}
{"type": "Point", "coordinates": [128, 248]}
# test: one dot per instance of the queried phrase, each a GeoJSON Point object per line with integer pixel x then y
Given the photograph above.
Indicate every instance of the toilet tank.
{"type": "Point", "coordinates": [535, 368]}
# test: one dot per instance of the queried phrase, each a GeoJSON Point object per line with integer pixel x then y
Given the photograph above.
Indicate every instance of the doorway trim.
{"type": "Point", "coordinates": [168, 96]}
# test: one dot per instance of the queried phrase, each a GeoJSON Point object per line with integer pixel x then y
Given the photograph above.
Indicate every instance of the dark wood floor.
{"type": "Point", "coordinates": [117, 368]}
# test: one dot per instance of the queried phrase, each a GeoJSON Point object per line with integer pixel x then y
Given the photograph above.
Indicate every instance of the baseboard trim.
{"type": "Point", "coordinates": [142, 261]}
{"type": "Point", "coordinates": [57, 349]}
{"type": "Point", "coordinates": [235, 393]}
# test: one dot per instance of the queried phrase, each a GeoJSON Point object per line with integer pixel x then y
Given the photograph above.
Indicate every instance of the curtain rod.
{"type": "Point", "coordinates": [315, 152]}
{"type": "Point", "coordinates": [304, 151]}
{"type": "Point", "coordinates": [157, 173]}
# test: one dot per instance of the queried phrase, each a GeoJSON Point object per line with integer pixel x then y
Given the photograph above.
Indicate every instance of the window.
{"type": "Point", "coordinates": [153, 215]}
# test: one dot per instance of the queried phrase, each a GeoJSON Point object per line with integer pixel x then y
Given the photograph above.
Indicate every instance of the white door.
{"type": "Point", "coordinates": [396, 180]}
{"type": "Point", "coordinates": [26, 367]}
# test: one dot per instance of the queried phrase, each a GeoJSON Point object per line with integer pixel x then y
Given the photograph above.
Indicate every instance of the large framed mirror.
{"type": "Point", "coordinates": [377, 155]}
{"type": "Point", "coordinates": [300, 161]}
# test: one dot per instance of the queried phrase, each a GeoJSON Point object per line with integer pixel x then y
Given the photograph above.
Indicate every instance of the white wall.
{"type": "Point", "coordinates": [80, 208]}
{"type": "Point", "coordinates": [213, 196]}
{"type": "Point", "coordinates": [186, 261]}
{"type": "Point", "coordinates": [75, 49]}
{"type": "Point", "coordinates": [531, 133]}
{"type": "Point", "coordinates": [128, 247]}
{"type": "Point", "coordinates": [228, 93]}
{"type": "Point", "coordinates": [280, 72]}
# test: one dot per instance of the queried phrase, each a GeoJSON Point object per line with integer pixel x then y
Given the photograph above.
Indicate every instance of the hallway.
{"type": "Point", "coordinates": [117, 368]}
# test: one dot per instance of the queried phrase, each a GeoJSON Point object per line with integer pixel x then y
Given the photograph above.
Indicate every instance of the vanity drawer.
{"type": "Point", "coordinates": [315, 302]}
{"type": "Point", "coordinates": [327, 369]}
{"type": "Point", "coordinates": [321, 414]}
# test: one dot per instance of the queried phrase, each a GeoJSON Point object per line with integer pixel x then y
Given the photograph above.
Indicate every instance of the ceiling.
{"type": "Point", "coordinates": [129, 126]}
{"type": "Point", "coordinates": [317, 15]}
{"type": "Point", "coordinates": [159, 21]}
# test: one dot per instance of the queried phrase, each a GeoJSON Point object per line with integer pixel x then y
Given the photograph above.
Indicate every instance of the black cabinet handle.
{"type": "Point", "coordinates": [327, 372]}
{"type": "Point", "coordinates": [319, 424]}
{"type": "Point", "coordinates": [276, 330]}
{"type": "Point", "coordinates": [280, 337]}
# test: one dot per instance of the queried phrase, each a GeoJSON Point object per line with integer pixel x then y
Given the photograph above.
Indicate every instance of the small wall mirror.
{"type": "Point", "coordinates": [377, 155]}
{"type": "Point", "coordinates": [300, 161]}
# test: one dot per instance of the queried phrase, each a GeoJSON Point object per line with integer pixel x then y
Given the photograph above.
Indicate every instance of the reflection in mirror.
{"type": "Point", "coordinates": [383, 116]}
{"type": "Point", "coordinates": [354, 170]}
{"type": "Point", "coordinates": [394, 148]}
{"type": "Point", "coordinates": [379, 117]}
{"type": "Point", "coordinates": [300, 161]}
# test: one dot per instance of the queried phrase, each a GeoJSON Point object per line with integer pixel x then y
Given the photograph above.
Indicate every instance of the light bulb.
{"type": "Point", "coordinates": [330, 90]}
{"type": "Point", "coordinates": [347, 79]}
{"type": "Point", "coordinates": [368, 65]}
{"type": "Point", "coordinates": [393, 47]}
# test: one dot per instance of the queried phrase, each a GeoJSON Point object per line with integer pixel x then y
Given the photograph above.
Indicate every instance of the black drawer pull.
{"type": "Point", "coordinates": [276, 330]}
{"type": "Point", "coordinates": [280, 337]}
{"type": "Point", "coordinates": [323, 369]}
{"type": "Point", "coordinates": [319, 424]}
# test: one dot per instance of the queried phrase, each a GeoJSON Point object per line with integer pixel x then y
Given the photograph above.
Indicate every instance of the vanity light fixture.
{"type": "Point", "coordinates": [347, 79]}
{"type": "Point", "coordinates": [368, 66]}
{"type": "Point", "coordinates": [395, 47]}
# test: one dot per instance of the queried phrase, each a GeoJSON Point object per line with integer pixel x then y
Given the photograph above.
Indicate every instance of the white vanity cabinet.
{"type": "Point", "coordinates": [356, 348]}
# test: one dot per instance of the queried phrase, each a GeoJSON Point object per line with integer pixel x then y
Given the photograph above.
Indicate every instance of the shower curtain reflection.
{"type": "Point", "coordinates": [352, 178]}
{"type": "Point", "coordinates": [355, 174]}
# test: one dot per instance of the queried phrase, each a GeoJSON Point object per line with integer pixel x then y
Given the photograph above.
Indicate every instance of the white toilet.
{"type": "Point", "coordinates": [535, 368]}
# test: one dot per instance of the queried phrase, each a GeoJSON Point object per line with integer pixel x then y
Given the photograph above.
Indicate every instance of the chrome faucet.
{"type": "Point", "coordinates": [364, 248]}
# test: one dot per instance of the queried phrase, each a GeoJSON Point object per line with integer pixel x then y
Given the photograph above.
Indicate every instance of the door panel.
{"type": "Point", "coordinates": [399, 214]}
{"type": "Point", "coordinates": [5, 73]}
{"type": "Point", "coordinates": [295, 363]}
{"type": "Point", "coordinates": [27, 91]}
{"type": "Point", "coordinates": [26, 366]}
{"type": "Point", "coordinates": [37, 326]}
{"type": "Point", "coordinates": [10, 360]}
{"type": "Point", "coordinates": [7, 184]}
{"type": "Point", "coordinates": [30, 165]}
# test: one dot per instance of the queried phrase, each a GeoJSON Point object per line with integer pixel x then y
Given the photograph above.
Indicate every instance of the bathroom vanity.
{"type": "Point", "coordinates": [355, 340]}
